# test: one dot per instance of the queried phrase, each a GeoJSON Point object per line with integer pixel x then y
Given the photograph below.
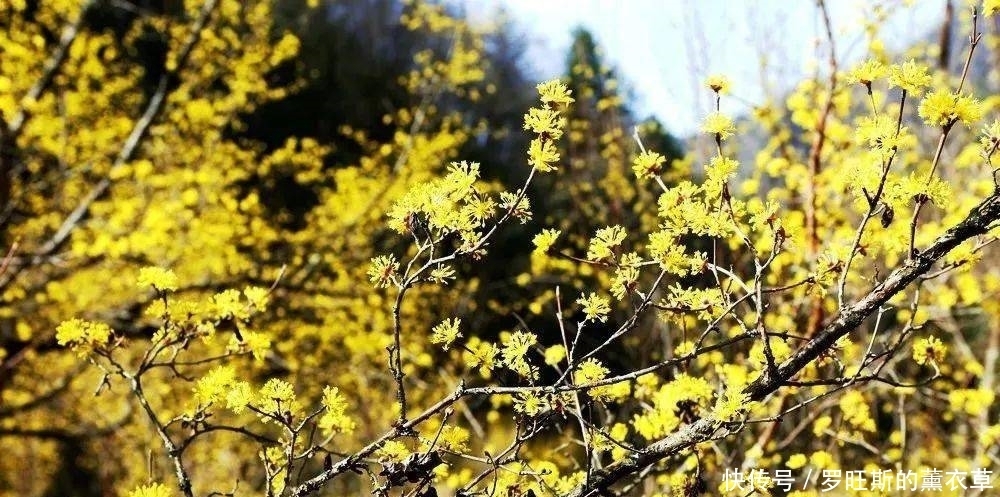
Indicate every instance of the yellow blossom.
{"type": "Point", "coordinates": [929, 350]}
{"type": "Point", "coordinates": [684, 349]}
{"type": "Point", "coordinates": [943, 108]}
{"type": "Point", "coordinates": [595, 307]}
{"type": "Point", "coordinates": [382, 270]}
{"type": "Point", "coordinates": [796, 461]}
{"type": "Point", "coordinates": [857, 412]}
{"type": "Point", "coordinates": [161, 279]}
{"type": "Point", "coordinates": [515, 353]}
{"type": "Point", "coordinates": [554, 92]}
{"type": "Point", "coordinates": [151, 490]}
{"type": "Point", "coordinates": [543, 241]}
{"type": "Point", "coordinates": [605, 241]}
{"type": "Point", "coordinates": [909, 76]}
{"type": "Point", "coordinates": [227, 303]}
{"type": "Point", "coordinates": [878, 132]}
{"type": "Point", "coordinates": [648, 164]}
{"type": "Point", "coordinates": [991, 7]}
{"type": "Point", "coordinates": [257, 297]}
{"type": "Point", "coordinates": [442, 274]}
{"type": "Point", "coordinates": [971, 401]}
{"type": "Point", "coordinates": [589, 371]}
{"type": "Point", "coordinates": [554, 354]}
{"type": "Point", "coordinates": [530, 404]}
{"type": "Point", "coordinates": [867, 72]}
{"type": "Point", "coordinates": [480, 354]}
{"type": "Point", "coordinates": [544, 122]}
{"type": "Point", "coordinates": [718, 83]}
{"type": "Point", "coordinates": [239, 396]}
{"type": "Point", "coordinates": [277, 398]}
{"type": "Point", "coordinates": [543, 154]}
{"type": "Point", "coordinates": [730, 404]}
{"type": "Point", "coordinates": [393, 450]}
{"type": "Point", "coordinates": [446, 332]}
{"type": "Point", "coordinates": [335, 419]}
{"type": "Point", "coordinates": [454, 439]}
{"type": "Point", "coordinates": [719, 124]}
{"type": "Point", "coordinates": [214, 386]}
{"type": "Point", "coordinates": [991, 136]}
{"type": "Point", "coordinates": [79, 332]}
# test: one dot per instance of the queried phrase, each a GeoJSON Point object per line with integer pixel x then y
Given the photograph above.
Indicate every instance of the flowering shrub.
{"type": "Point", "coordinates": [827, 304]}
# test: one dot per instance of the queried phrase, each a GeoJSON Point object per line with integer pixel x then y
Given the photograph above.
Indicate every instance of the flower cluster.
{"type": "Point", "coordinates": [83, 335]}
{"type": "Point", "coordinates": [943, 108]}
{"type": "Point", "coordinates": [929, 350]}
{"type": "Point", "coordinates": [335, 419]}
{"type": "Point", "coordinates": [161, 279]}
{"type": "Point", "coordinates": [446, 333]}
{"type": "Point", "coordinates": [548, 124]}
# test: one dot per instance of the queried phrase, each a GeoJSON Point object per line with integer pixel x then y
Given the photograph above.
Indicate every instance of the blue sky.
{"type": "Point", "coordinates": [665, 48]}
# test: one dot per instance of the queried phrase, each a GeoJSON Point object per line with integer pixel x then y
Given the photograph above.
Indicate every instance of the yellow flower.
{"type": "Point", "coordinates": [624, 281]}
{"type": "Point", "coordinates": [521, 210]}
{"type": "Point", "coordinates": [239, 396]}
{"type": "Point", "coordinates": [590, 371]}
{"type": "Point", "coordinates": [857, 411]}
{"type": "Point", "coordinates": [595, 307]}
{"type": "Point", "coordinates": [454, 439]}
{"type": "Point", "coordinates": [393, 450]}
{"type": "Point", "coordinates": [227, 304]}
{"type": "Point", "coordinates": [718, 83]}
{"type": "Point", "coordinates": [515, 353]}
{"type": "Point", "coordinates": [991, 7]}
{"type": "Point", "coordinates": [730, 404]}
{"type": "Point", "coordinates": [215, 385]}
{"type": "Point", "coordinates": [446, 332]}
{"type": "Point", "coordinates": [867, 72]}
{"type": "Point", "coordinates": [879, 133]}
{"type": "Point", "coordinates": [480, 354]}
{"type": "Point", "coordinates": [257, 297]}
{"type": "Point", "coordinates": [971, 401]}
{"type": "Point", "coordinates": [542, 154]}
{"type": "Point", "coordinates": [909, 76]}
{"type": "Point", "coordinates": [554, 92]}
{"type": "Point", "coordinates": [258, 344]}
{"type": "Point", "coordinates": [991, 135]}
{"type": "Point", "coordinates": [544, 240]}
{"type": "Point", "coordinates": [277, 397]}
{"type": "Point", "coordinates": [943, 108]}
{"type": "Point", "coordinates": [334, 420]}
{"type": "Point", "coordinates": [555, 354]}
{"type": "Point", "coordinates": [604, 241]}
{"type": "Point", "coordinates": [530, 404]}
{"type": "Point", "coordinates": [648, 164]}
{"type": "Point", "coordinates": [719, 124]}
{"type": "Point", "coordinates": [796, 461]}
{"type": "Point", "coordinates": [79, 332]}
{"type": "Point", "coordinates": [929, 350]}
{"type": "Point", "coordinates": [151, 490]}
{"type": "Point", "coordinates": [161, 279]}
{"type": "Point", "coordinates": [544, 122]}
{"type": "Point", "coordinates": [442, 274]}
{"type": "Point", "coordinates": [684, 349]}
{"type": "Point", "coordinates": [721, 169]}
{"type": "Point", "coordinates": [382, 270]}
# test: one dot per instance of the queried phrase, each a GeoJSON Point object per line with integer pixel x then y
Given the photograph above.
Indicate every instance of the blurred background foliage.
{"type": "Point", "coordinates": [375, 96]}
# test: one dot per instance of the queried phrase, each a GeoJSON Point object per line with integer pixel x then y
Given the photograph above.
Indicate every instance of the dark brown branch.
{"type": "Point", "coordinates": [944, 58]}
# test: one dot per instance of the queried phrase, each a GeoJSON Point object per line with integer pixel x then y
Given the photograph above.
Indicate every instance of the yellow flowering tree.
{"type": "Point", "coordinates": [825, 305]}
